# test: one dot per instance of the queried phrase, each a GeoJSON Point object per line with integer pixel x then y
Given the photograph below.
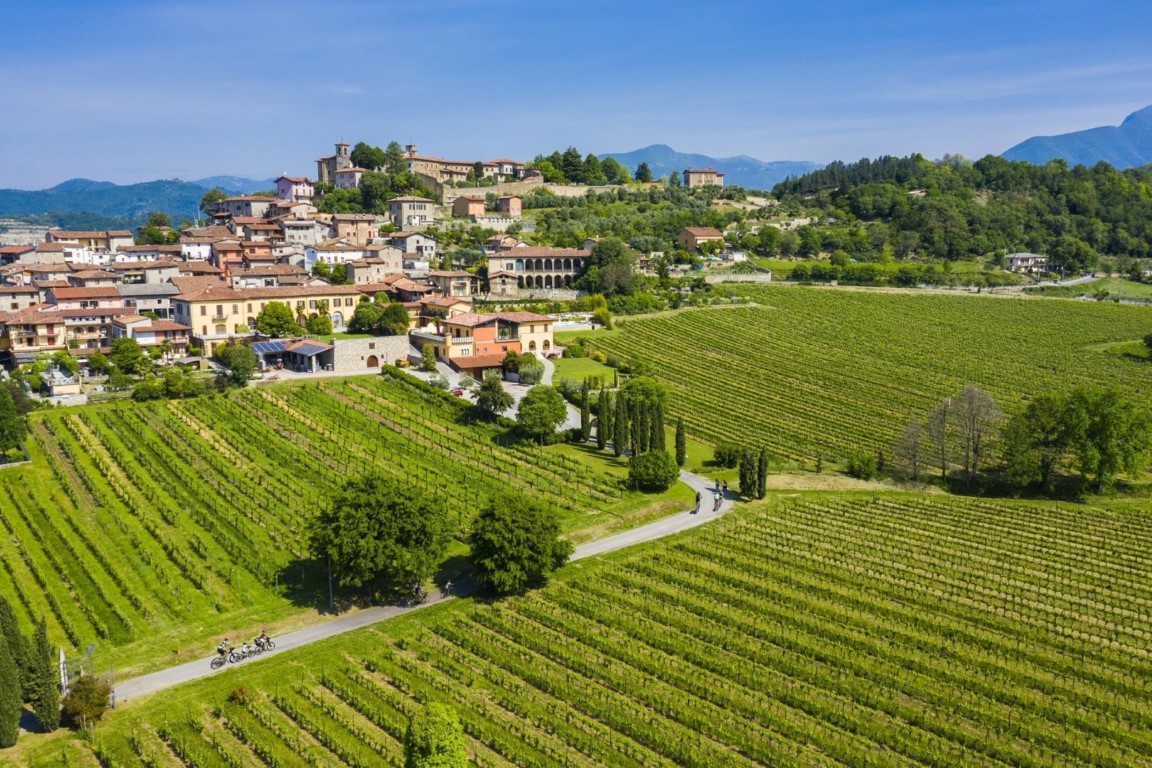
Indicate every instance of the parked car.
{"type": "Point", "coordinates": [458, 392]}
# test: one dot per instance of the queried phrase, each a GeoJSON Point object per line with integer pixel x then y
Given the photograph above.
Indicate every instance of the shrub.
{"type": "Point", "coordinates": [86, 700]}
{"type": "Point", "coordinates": [653, 471]}
{"type": "Point", "coordinates": [727, 455]}
{"type": "Point", "coordinates": [862, 465]}
{"type": "Point", "coordinates": [438, 381]}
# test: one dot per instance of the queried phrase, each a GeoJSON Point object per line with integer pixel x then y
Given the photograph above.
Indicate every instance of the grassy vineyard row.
{"type": "Point", "coordinates": [869, 631]}
{"type": "Point", "coordinates": [813, 370]}
{"type": "Point", "coordinates": [137, 519]}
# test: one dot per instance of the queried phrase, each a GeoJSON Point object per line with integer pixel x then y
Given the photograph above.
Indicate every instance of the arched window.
{"type": "Point", "coordinates": [337, 320]}
{"type": "Point", "coordinates": [532, 346]}
{"type": "Point", "coordinates": [547, 345]}
{"type": "Point", "coordinates": [373, 361]}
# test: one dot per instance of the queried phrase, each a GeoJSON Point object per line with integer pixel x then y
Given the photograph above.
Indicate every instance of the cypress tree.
{"type": "Point", "coordinates": [681, 443]}
{"type": "Point", "coordinates": [45, 694]}
{"type": "Point", "coordinates": [748, 473]}
{"type": "Point", "coordinates": [762, 474]}
{"type": "Point", "coordinates": [604, 419]}
{"type": "Point", "coordinates": [620, 426]}
{"type": "Point", "coordinates": [658, 440]}
{"type": "Point", "coordinates": [10, 701]}
{"type": "Point", "coordinates": [585, 413]}
{"type": "Point", "coordinates": [12, 426]}
{"type": "Point", "coordinates": [17, 645]}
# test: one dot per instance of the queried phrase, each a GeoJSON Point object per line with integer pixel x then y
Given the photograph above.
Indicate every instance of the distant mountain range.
{"type": "Point", "coordinates": [1125, 146]}
{"type": "Point", "coordinates": [130, 202]}
{"type": "Point", "coordinates": [741, 170]}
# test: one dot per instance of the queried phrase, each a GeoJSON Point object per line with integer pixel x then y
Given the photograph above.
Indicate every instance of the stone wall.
{"type": "Point", "coordinates": [352, 355]}
{"type": "Point", "coordinates": [732, 277]}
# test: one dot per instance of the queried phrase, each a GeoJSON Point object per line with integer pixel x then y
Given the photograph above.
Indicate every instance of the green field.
{"type": "Point", "coordinates": [1105, 288]}
{"type": "Point", "coordinates": [813, 370]}
{"type": "Point", "coordinates": [160, 525]}
{"type": "Point", "coordinates": [893, 630]}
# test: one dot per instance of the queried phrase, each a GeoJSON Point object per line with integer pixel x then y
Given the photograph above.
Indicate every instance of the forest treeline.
{"type": "Point", "coordinates": [956, 209]}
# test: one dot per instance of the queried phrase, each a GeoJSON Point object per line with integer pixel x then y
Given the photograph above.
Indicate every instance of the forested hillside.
{"type": "Point", "coordinates": [955, 209]}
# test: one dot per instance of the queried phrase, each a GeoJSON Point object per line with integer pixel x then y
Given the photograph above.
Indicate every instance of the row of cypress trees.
{"type": "Point", "coordinates": [27, 675]}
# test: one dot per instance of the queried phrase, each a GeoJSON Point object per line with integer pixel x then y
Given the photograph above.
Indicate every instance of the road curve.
{"type": "Point", "coordinates": [129, 690]}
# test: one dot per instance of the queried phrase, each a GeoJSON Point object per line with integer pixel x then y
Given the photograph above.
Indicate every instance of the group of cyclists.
{"type": "Point", "coordinates": [260, 644]}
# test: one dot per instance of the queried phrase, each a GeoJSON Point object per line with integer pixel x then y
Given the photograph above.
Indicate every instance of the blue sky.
{"type": "Point", "coordinates": [130, 91]}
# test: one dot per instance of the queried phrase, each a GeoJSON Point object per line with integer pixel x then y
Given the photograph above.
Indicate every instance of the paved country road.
{"type": "Point", "coordinates": [131, 689]}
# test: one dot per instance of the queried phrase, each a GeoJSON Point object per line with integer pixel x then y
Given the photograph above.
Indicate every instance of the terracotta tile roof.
{"type": "Point", "coordinates": [703, 170]}
{"type": "Point", "coordinates": [249, 199]}
{"type": "Point", "coordinates": [220, 290]}
{"type": "Point", "coordinates": [296, 179]}
{"type": "Point", "coordinates": [51, 283]}
{"type": "Point", "coordinates": [126, 319]}
{"type": "Point", "coordinates": [450, 273]}
{"type": "Point", "coordinates": [135, 266]}
{"type": "Point", "coordinates": [168, 325]}
{"type": "Point", "coordinates": [501, 273]}
{"type": "Point", "coordinates": [48, 247]}
{"type": "Point", "coordinates": [94, 292]}
{"type": "Point", "coordinates": [16, 249]}
{"type": "Point", "coordinates": [95, 274]}
{"type": "Point", "coordinates": [13, 290]}
{"type": "Point", "coordinates": [410, 199]}
{"type": "Point", "coordinates": [544, 252]}
{"type": "Point", "coordinates": [703, 231]}
{"type": "Point", "coordinates": [78, 234]}
{"type": "Point", "coordinates": [94, 312]}
{"type": "Point", "coordinates": [216, 231]}
{"type": "Point", "coordinates": [479, 361]}
{"type": "Point", "coordinates": [353, 217]}
{"type": "Point", "coordinates": [199, 268]}
{"type": "Point", "coordinates": [472, 319]}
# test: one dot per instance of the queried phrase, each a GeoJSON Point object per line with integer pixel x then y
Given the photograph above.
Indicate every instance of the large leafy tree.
{"type": "Point", "coordinates": [379, 531]}
{"type": "Point", "coordinates": [541, 410]}
{"type": "Point", "coordinates": [210, 199]}
{"type": "Point", "coordinates": [643, 173]}
{"type": "Point", "coordinates": [1109, 433]}
{"type": "Point", "coordinates": [435, 738]}
{"type": "Point", "coordinates": [652, 471]}
{"type": "Point", "coordinates": [366, 317]}
{"type": "Point", "coordinates": [394, 319]}
{"type": "Point", "coordinates": [128, 357]}
{"type": "Point", "coordinates": [491, 397]}
{"type": "Point", "coordinates": [367, 156]}
{"type": "Point", "coordinates": [1036, 440]}
{"type": "Point", "coordinates": [276, 320]}
{"type": "Point", "coordinates": [240, 361]}
{"type": "Point", "coordinates": [516, 543]}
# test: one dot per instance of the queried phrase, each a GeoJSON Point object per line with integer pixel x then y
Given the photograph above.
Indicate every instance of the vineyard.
{"type": "Point", "coordinates": [866, 631]}
{"type": "Point", "coordinates": [139, 519]}
{"type": "Point", "coordinates": [811, 371]}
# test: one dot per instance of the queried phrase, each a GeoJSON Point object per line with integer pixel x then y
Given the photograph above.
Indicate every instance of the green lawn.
{"type": "Point", "coordinates": [580, 368]}
{"type": "Point", "coordinates": [1104, 288]}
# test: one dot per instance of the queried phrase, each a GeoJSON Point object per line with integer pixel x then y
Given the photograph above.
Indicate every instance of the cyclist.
{"type": "Point", "coordinates": [224, 647]}
{"type": "Point", "coordinates": [447, 588]}
{"type": "Point", "coordinates": [261, 640]}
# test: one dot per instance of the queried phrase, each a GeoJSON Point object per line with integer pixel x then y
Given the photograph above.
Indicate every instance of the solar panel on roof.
{"type": "Point", "coordinates": [267, 347]}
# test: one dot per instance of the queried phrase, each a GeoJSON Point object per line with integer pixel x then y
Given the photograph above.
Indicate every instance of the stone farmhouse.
{"type": "Point", "coordinates": [703, 177]}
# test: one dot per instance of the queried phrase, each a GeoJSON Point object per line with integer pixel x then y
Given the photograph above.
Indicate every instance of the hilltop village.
{"type": "Point", "coordinates": [206, 284]}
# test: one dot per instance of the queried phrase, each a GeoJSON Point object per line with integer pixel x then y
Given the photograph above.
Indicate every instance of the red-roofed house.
{"type": "Point", "coordinates": [691, 238]}
{"type": "Point", "coordinates": [295, 188]}
{"type": "Point", "coordinates": [476, 342]}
